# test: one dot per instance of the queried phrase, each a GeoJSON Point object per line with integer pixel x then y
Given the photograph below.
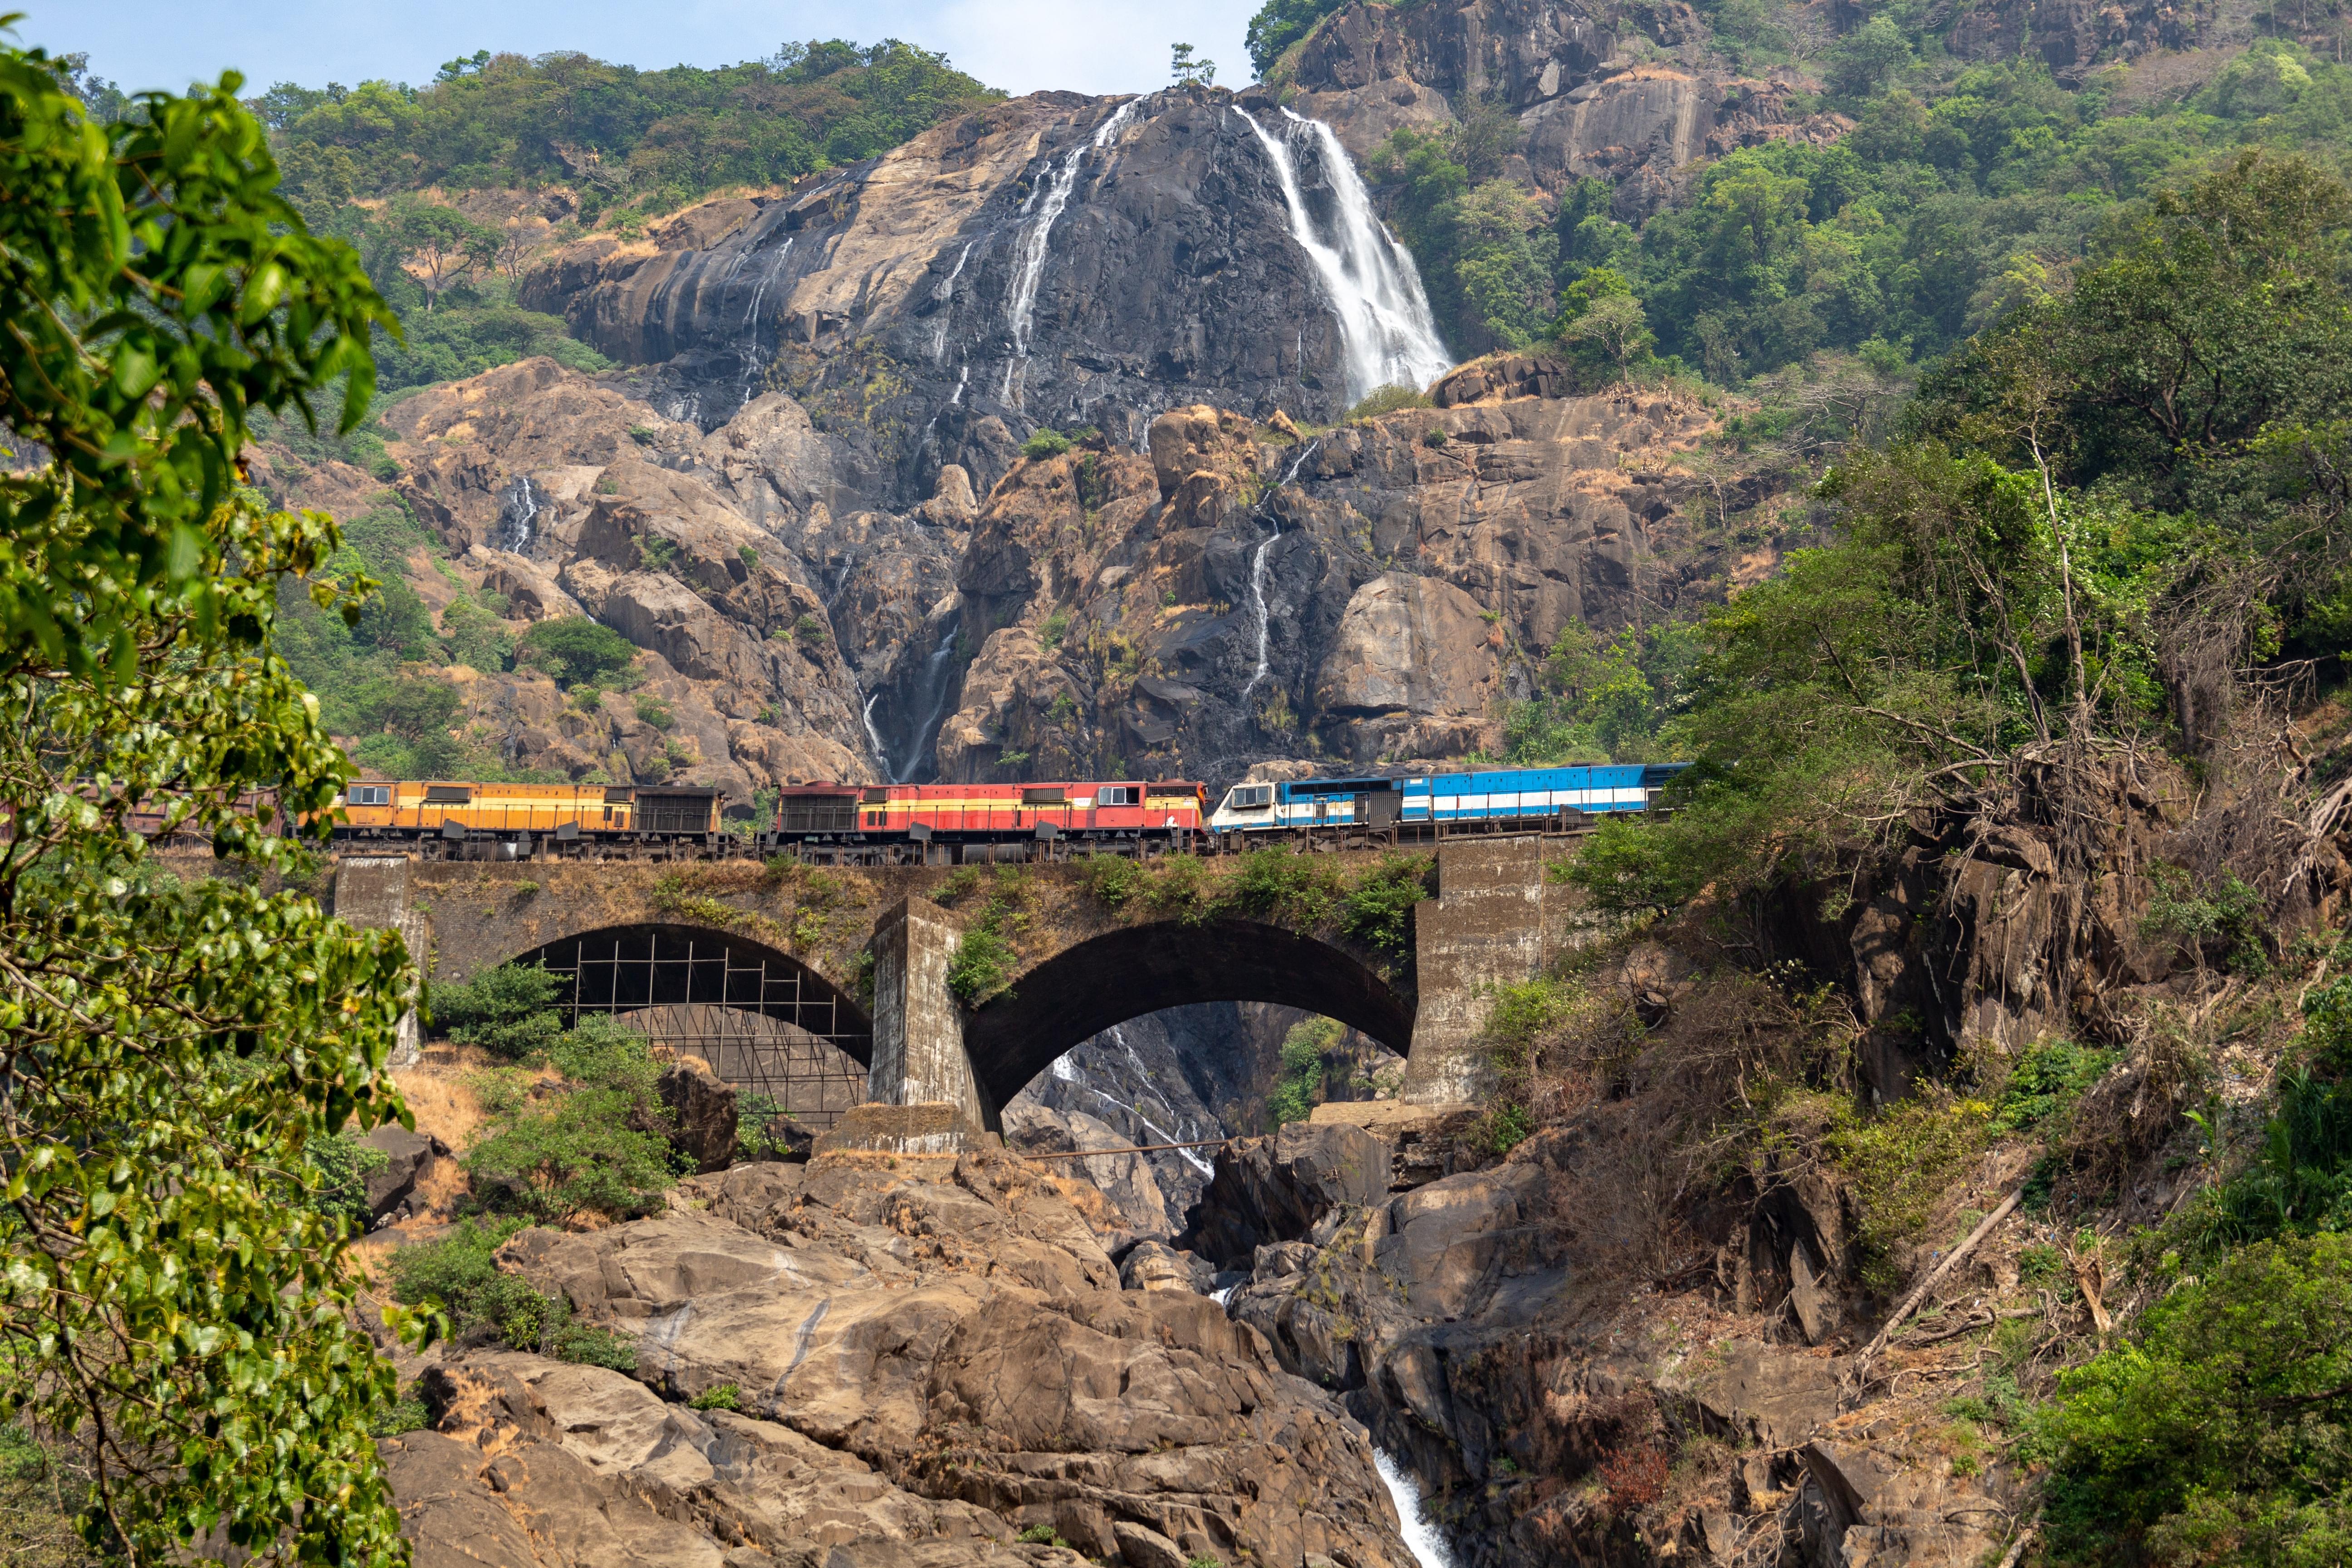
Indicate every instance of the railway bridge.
{"type": "Point", "coordinates": [752, 966]}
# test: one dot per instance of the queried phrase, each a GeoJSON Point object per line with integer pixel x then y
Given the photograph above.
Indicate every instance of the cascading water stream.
{"type": "Point", "coordinates": [1257, 600]}
{"type": "Point", "coordinates": [1031, 247]}
{"type": "Point", "coordinates": [935, 673]}
{"type": "Point", "coordinates": [881, 752]}
{"type": "Point", "coordinates": [1421, 1537]}
{"type": "Point", "coordinates": [518, 516]}
{"type": "Point", "coordinates": [750, 348]}
{"type": "Point", "coordinates": [1387, 335]}
{"type": "Point", "coordinates": [946, 297]}
{"type": "Point", "coordinates": [1257, 564]}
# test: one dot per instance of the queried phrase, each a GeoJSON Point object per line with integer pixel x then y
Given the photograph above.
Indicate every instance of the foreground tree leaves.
{"type": "Point", "coordinates": [173, 1304]}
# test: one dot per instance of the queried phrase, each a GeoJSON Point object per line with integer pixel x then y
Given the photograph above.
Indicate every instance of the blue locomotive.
{"type": "Point", "coordinates": [1523, 795]}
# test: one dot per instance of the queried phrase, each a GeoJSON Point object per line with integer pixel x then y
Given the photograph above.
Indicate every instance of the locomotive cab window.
{"type": "Point", "coordinates": [1119, 794]}
{"type": "Point", "coordinates": [371, 795]}
{"type": "Point", "coordinates": [1249, 797]}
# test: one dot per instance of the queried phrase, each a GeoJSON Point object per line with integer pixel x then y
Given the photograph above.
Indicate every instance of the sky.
{"type": "Point", "coordinates": [1022, 46]}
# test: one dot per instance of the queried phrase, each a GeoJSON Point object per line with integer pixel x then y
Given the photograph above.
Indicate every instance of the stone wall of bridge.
{"type": "Point", "coordinates": [859, 958]}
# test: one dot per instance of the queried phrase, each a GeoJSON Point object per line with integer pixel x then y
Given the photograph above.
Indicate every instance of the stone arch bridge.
{"type": "Point", "coordinates": [859, 959]}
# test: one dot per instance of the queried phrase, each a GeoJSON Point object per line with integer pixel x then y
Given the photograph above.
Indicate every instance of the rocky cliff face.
{"type": "Point", "coordinates": [1054, 261]}
{"type": "Point", "coordinates": [1231, 593]}
{"type": "Point", "coordinates": [923, 1364]}
{"type": "Point", "coordinates": [1365, 593]}
{"type": "Point", "coordinates": [1626, 93]}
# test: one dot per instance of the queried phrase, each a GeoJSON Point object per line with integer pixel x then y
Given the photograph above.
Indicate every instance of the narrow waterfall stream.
{"type": "Point", "coordinates": [946, 297]}
{"type": "Point", "coordinates": [517, 516]}
{"type": "Point", "coordinates": [881, 751]}
{"type": "Point", "coordinates": [1257, 601]}
{"type": "Point", "coordinates": [749, 347]}
{"type": "Point", "coordinates": [1257, 561]}
{"type": "Point", "coordinates": [1421, 1537]}
{"type": "Point", "coordinates": [1387, 335]}
{"type": "Point", "coordinates": [1031, 248]}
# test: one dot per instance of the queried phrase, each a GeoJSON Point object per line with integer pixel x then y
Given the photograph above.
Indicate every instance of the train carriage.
{"type": "Point", "coordinates": [455, 810]}
{"type": "Point", "coordinates": [1498, 794]}
{"type": "Point", "coordinates": [972, 812]}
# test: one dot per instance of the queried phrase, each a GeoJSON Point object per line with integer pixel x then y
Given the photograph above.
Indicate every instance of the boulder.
{"type": "Point", "coordinates": [1416, 661]}
{"type": "Point", "coordinates": [703, 1112]}
{"type": "Point", "coordinates": [1275, 1189]}
{"type": "Point", "coordinates": [1450, 1237]}
{"type": "Point", "coordinates": [409, 1159]}
{"type": "Point", "coordinates": [1156, 1266]}
{"type": "Point", "coordinates": [1139, 1547]}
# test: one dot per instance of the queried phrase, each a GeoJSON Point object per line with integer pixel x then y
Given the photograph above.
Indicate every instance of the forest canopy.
{"type": "Point", "coordinates": [612, 132]}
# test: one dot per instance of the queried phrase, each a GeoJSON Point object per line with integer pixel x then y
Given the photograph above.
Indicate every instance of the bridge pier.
{"type": "Point", "coordinates": [371, 893]}
{"type": "Point", "coordinates": [921, 1095]}
{"type": "Point", "coordinates": [1483, 930]}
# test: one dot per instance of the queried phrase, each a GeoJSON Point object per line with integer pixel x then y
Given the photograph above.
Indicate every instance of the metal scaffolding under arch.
{"type": "Point", "coordinates": [766, 1022]}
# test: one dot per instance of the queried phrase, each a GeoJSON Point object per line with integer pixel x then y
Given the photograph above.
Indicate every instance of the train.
{"type": "Point", "coordinates": [449, 816]}
{"type": "Point", "coordinates": [1564, 795]}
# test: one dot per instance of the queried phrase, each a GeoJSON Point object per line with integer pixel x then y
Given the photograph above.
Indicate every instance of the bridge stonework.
{"type": "Point", "coordinates": [860, 958]}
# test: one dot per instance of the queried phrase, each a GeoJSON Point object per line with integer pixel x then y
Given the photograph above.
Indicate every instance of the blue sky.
{"type": "Point", "coordinates": [1022, 46]}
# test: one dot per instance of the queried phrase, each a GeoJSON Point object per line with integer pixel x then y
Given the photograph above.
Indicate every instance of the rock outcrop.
{"type": "Point", "coordinates": [1051, 261]}
{"type": "Point", "coordinates": [893, 1367]}
{"type": "Point", "coordinates": [1620, 93]}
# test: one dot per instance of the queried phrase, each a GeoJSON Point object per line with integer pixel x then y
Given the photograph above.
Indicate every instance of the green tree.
{"type": "Point", "coordinates": [509, 1011]}
{"type": "Point", "coordinates": [437, 244]}
{"type": "Point", "coordinates": [1280, 24]}
{"type": "Point", "coordinates": [1185, 67]}
{"type": "Point", "coordinates": [573, 649]}
{"type": "Point", "coordinates": [173, 1307]}
{"type": "Point", "coordinates": [2219, 1437]}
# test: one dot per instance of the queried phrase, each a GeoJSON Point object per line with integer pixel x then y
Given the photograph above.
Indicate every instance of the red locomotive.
{"type": "Point", "coordinates": [967, 813]}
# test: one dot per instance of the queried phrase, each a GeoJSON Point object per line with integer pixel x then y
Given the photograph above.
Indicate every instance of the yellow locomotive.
{"type": "Point", "coordinates": [515, 813]}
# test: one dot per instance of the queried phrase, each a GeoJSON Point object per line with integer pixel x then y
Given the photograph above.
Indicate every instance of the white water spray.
{"type": "Point", "coordinates": [750, 348]}
{"type": "Point", "coordinates": [946, 297]}
{"type": "Point", "coordinates": [1421, 1537]}
{"type": "Point", "coordinates": [1257, 601]}
{"type": "Point", "coordinates": [881, 752]}
{"type": "Point", "coordinates": [935, 678]}
{"type": "Point", "coordinates": [1029, 250]}
{"type": "Point", "coordinates": [517, 517]}
{"type": "Point", "coordinates": [1257, 563]}
{"type": "Point", "coordinates": [1387, 336]}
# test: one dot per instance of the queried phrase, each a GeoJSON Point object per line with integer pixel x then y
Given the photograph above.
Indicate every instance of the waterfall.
{"type": "Point", "coordinates": [1386, 333]}
{"type": "Point", "coordinates": [750, 348]}
{"type": "Point", "coordinates": [1029, 250]}
{"type": "Point", "coordinates": [1257, 561]}
{"type": "Point", "coordinates": [517, 516]}
{"type": "Point", "coordinates": [945, 295]}
{"type": "Point", "coordinates": [935, 672]}
{"type": "Point", "coordinates": [881, 752]}
{"type": "Point", "coordinates": [1257, 599]}
{"type": "Point", "coordinates": [1421, 1537]}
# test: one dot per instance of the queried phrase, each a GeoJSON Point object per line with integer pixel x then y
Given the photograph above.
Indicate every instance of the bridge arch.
{"type": "Point", "coordinates": [1131, 971]}
{"type": "Point", "coordinates": [699, 982]}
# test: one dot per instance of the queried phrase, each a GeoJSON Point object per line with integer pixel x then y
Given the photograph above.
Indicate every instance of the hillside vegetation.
{"type": "Point", "coordinates": [1961, 190]}
{"type": "Point", "coordinates": [625, 140]}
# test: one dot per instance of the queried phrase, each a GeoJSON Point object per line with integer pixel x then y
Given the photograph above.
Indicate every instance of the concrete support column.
{"type": "Point", "coordinates": [371, 893]}
{"type": "Point", "coordinates": [1483, 930]}
{"type": "Point", "coordinates": [922, 1094]}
